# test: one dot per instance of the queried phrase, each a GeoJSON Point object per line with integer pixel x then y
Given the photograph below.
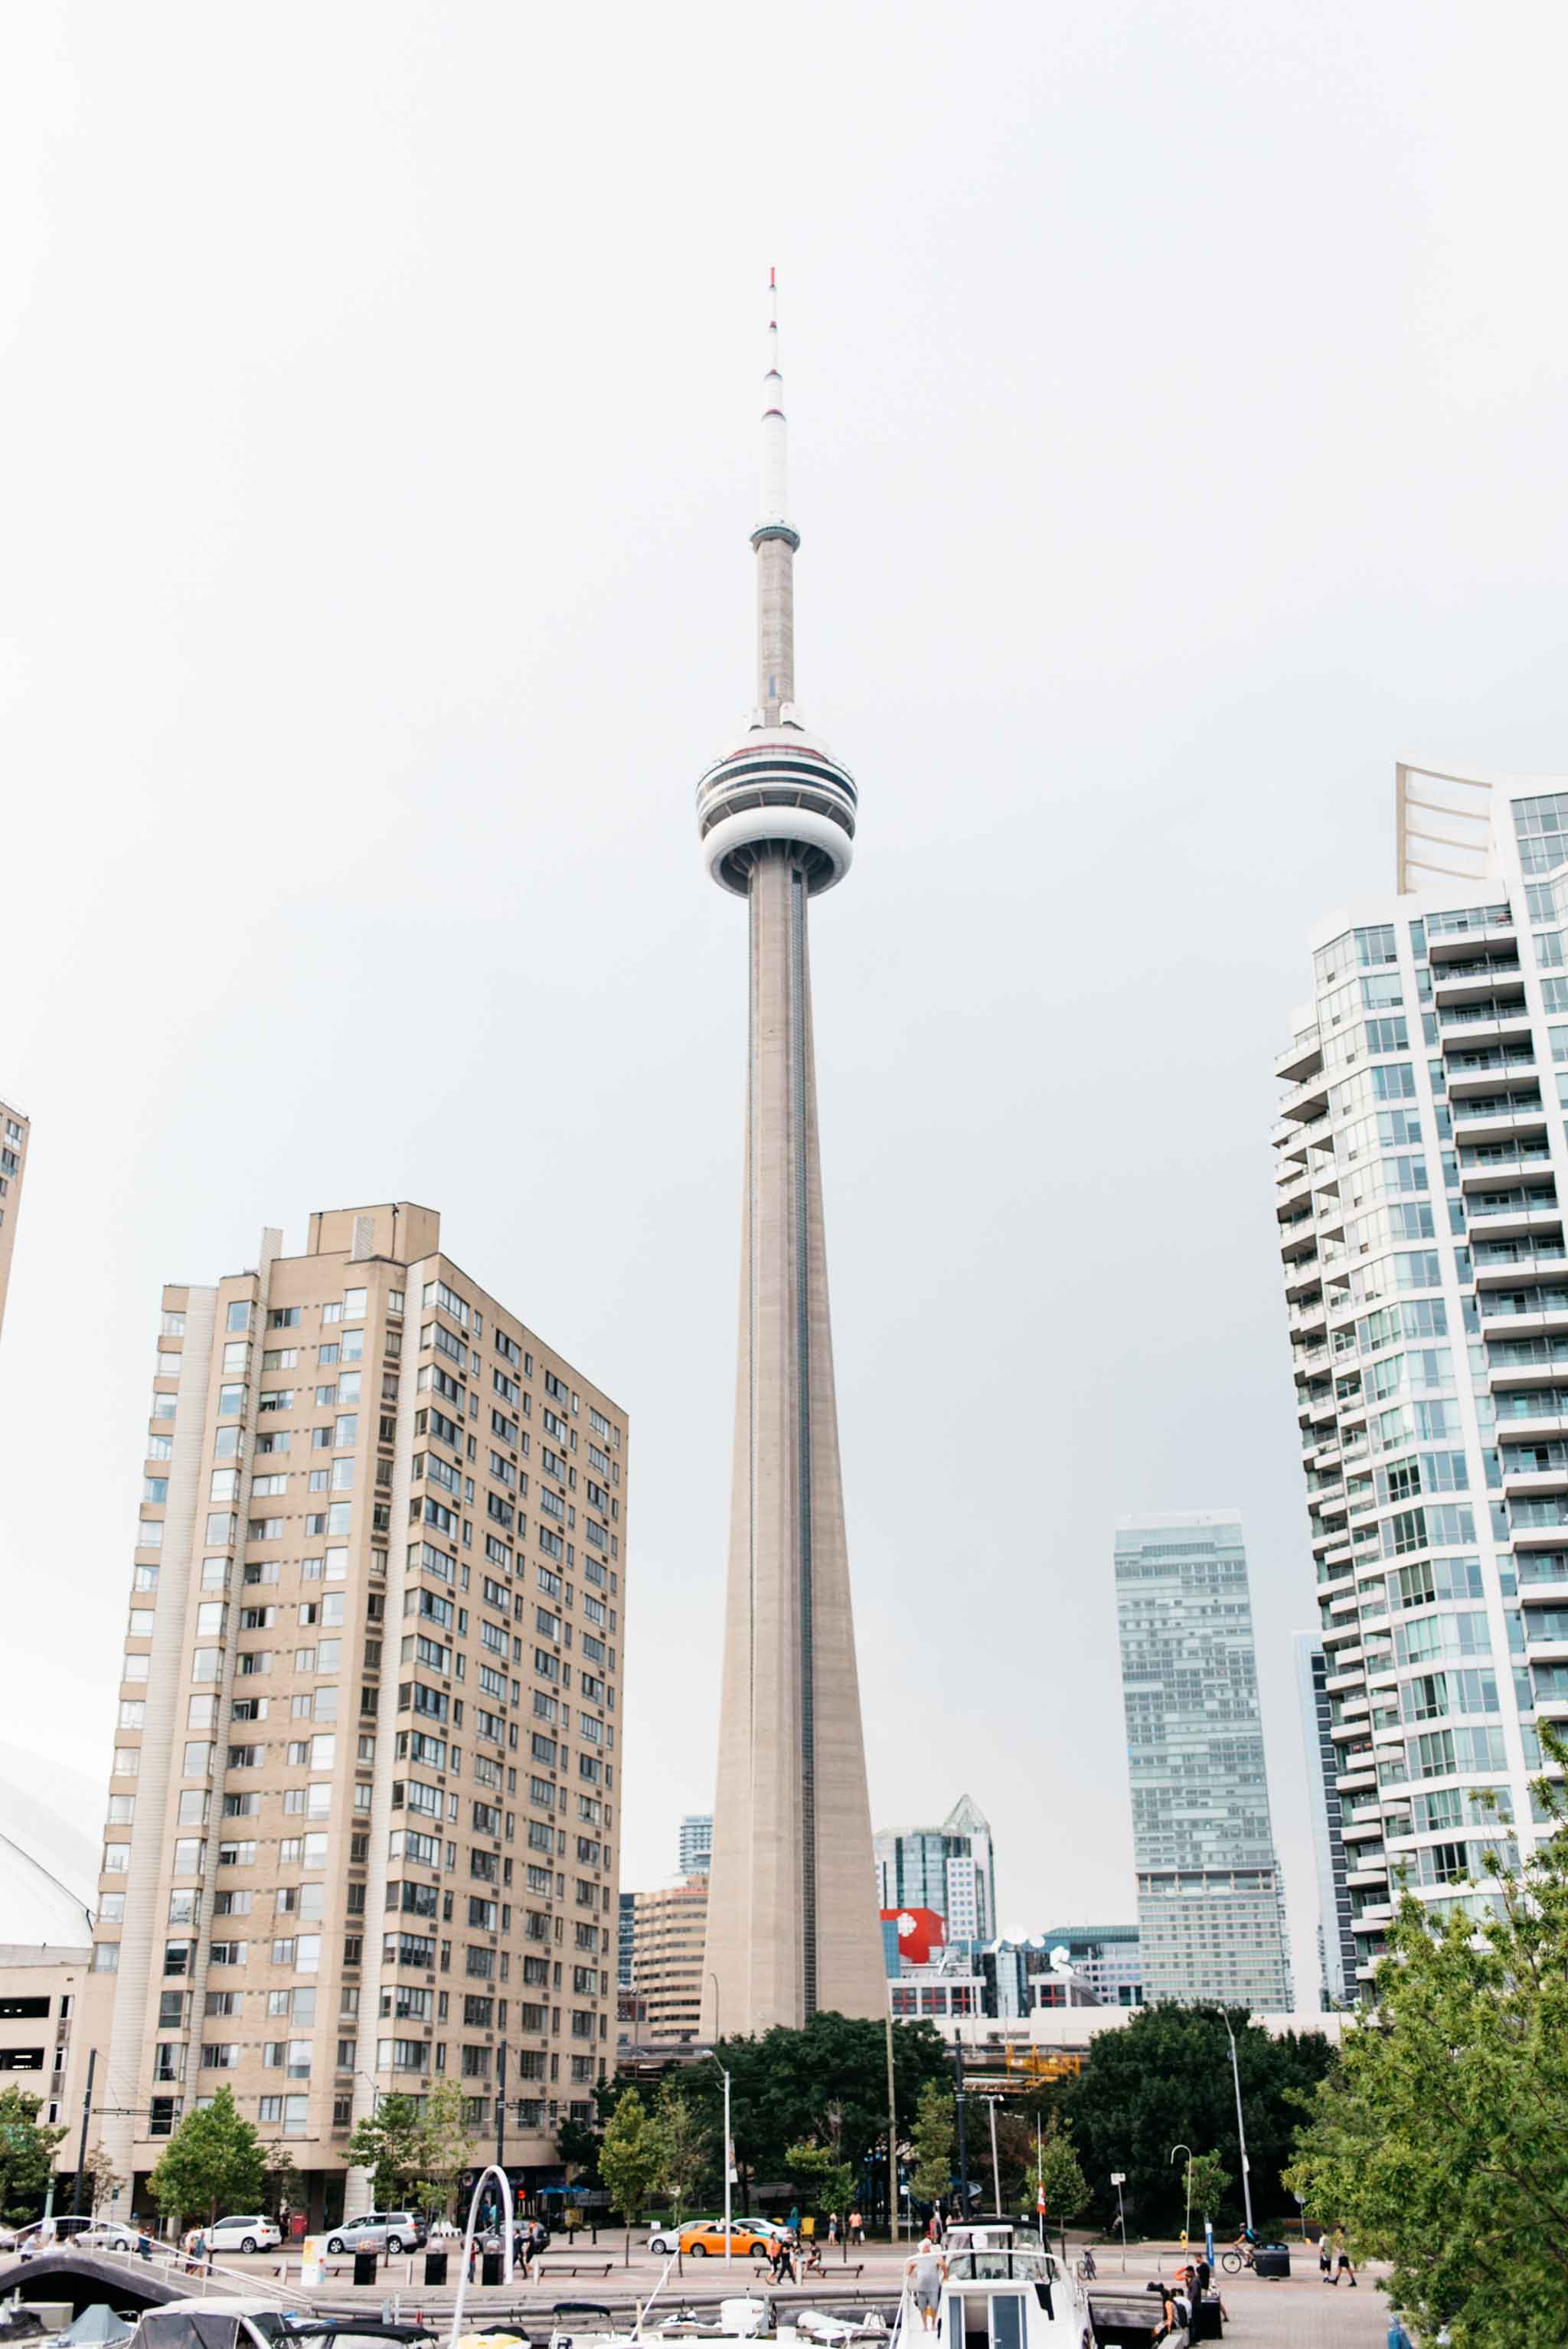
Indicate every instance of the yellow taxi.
{"type": "Point", "coordinates": [705, 2239]}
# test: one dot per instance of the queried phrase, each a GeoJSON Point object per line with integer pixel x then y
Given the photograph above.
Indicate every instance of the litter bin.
{"type": "Point", "coordinates": [1207, 2322]}
{"type": "Point", "coordinates": [492, 2268]}
{"type": "Point", "coordinates": [364, 2267]}
{"type": "Point", "coordinates": [1273, 2259]}
{"type": "Point", "coordinates": [435, 2267]}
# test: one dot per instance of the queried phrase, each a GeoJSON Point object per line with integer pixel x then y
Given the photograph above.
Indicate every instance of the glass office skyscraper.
{"type": "Point", "coordinates": [1211, 1915]}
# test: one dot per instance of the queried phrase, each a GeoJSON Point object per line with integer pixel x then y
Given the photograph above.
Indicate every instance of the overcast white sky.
{"type": "Point", "coordinates": [1177, 399]}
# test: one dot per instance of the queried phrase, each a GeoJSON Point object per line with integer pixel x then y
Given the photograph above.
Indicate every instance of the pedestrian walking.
{"type": "Point", "coordinates": [473, 2256]}
{"type": "Point", "coordinates": [924, 2273]}
{"type": "Point", "coordinates": [1325, 2257]}
{"type": "Point", "coordinates": [1341, 2258]}
{"type": "Point", "coordinates": [857, 2230]}
{"type": "Point", "coordinates": [832, 2227]}
{"type": "Point", "coordinates": [795, 2219]}
{"type": "Point", "coordinates": [1398, 2336]}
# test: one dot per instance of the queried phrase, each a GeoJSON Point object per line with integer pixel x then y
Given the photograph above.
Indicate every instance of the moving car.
{"type": "Point", "coordinates": [705, 2239]}
{"type": "Point", "coordinates": [379, 2231]}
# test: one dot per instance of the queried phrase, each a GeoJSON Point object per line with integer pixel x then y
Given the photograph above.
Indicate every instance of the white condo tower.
{"type": "Point", "coordinates": [792, 1925]}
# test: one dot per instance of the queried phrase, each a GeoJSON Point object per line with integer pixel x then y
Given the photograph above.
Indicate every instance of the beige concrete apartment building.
{"type": "Point", "coordinates": [15, 1132]}
{"type": "Point", "coordinates": [669, 1930]}
{"type": "Point", "coordinates": [363, 1822]}
{"type": "Point", "coordinates": [40, 1993]}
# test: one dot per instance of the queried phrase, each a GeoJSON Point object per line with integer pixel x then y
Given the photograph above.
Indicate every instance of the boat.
{"type": "Point", "coordinates": [998, 2292]}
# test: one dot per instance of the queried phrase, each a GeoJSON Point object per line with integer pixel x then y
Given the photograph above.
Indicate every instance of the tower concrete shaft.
{"type": "Point", "coordinates": [792, 1925]}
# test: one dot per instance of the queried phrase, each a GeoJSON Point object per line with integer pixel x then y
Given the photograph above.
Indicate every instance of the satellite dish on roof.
{"type": "Point", "coordinates": [1061, 1960]}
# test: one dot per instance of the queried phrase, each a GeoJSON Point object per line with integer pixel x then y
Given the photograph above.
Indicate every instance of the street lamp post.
{"type": "Point", "coordinates": [1119, 2179]}
{"type": "Point", "coordinates": [996, 2171]}
{"type": "Point", "coordinates": [729, 2163]}
{"type": "Point", "coordinates": [1187, 2225]}
{"type": "Point", "coordinates": [963, 2131]}
{"type": "Point", "coordinates": [1241, 2124]}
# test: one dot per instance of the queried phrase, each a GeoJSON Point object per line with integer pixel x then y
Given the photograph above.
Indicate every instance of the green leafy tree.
{"type": "Point", "coordinates": [1440, 2141]}
{"type": "Point", "coordinates": [631, 2157]}
{"type": "Point", "coordinates": [25, 2152]}
{"type": "Point", "coordinates": [100, 2180]}
{"type": "Point", "coordinates": [827, 2081]}
{"type": "Point", "coordinates": [1056, 2167]}
{"type": "Point", "coordinates": [577, 2147]}
{"type": "Point", "coordinates": [446, 2147]}
{"type": "Point", "coordinates": [214, 2161]}
{"type": "Point", "coordinates": [826, 2183]}
{"type": "Point", "coordinates": [389, 2142]}
{"type": "Point", "coordinates": [687, 2148]}
{"type": "Point", "coordinates": [932, 2142]}
{"type": "Point", "coordinates": [283, 2187]}
{"type": "Point", "coordinates": [1165, 2080]}
{"type": "Point", "coordinates": [1211, 2184]}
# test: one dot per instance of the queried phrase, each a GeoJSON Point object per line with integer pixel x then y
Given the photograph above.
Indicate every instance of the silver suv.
{"type": "Point", "coordinates": [379, 2231]}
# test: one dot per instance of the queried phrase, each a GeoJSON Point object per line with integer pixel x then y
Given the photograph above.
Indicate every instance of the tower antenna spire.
{"type": "Point", "coordinates": [775, 540]}
{"type": "Point", "coordinates": [775, 429]}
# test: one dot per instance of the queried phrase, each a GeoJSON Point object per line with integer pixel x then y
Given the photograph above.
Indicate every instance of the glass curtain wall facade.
{"type": "Point", "coordinates": [948, 1868]}
{"type": "Point", "coordinates": [1210, 1918]}
{"type": "Point", "coordinates": [1421, 1152]}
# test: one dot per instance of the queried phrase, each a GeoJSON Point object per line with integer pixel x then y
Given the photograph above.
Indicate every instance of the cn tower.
{"type": "Point", "coordinates": [792, 1926]}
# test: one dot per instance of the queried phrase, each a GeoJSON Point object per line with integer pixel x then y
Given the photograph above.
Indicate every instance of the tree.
{"type": "Point", "coordinates": [100, 2179]}
{"type": "Point", "coordinates": [1211, 2184]}
{"type": "Point", "coordinates": [823, 2179]}
{"type": "Point", "coordinates": [1165, 2080]}
{"type": "Point", "coordinates": [213, 2160]}
{"type": "Point", "coordinates": [577, 2147]}
{"type": "Point", "coordinates": [1056, 2169]}
{"type": "Point", "coordinates": [931, 2143]}
{"type": "Point", "coordinates": [1441, 2142]}
{"type": "Point", "coordinates": [388, 2143]}
{"type": "Point", "coordinates": [685, 2147]}
{"type": "Point", "coordinates": [827, 2081]}
{"type": "Point", "coordinates": [631, 2157]}
{"type": "Point", "coordinates": [283, 2187]}
{"type": "Point", "coordinates": [445, 2145]}
{"type": "Point", "coordinates": [25, 2152]}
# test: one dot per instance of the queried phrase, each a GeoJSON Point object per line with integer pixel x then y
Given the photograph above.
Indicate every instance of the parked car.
{"type": "Point", "coordinates": [748, 2238]}
{"type": "Point", "coordinates": [379, 2231]}
{"type": "Point", "coordinates": [243, 2234]}
{"type": "Point", "coordinates": [108, 2237]}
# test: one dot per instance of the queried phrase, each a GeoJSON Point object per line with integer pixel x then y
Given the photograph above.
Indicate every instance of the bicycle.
{"type": "Point", "coordinates": [1084, 2268]}
{"type": "Point", "coordinates": [1233, 2261]}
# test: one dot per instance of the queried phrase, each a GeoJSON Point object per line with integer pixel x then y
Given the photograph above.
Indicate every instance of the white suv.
{"type": "Point", "coordinates": [257, 2234]}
